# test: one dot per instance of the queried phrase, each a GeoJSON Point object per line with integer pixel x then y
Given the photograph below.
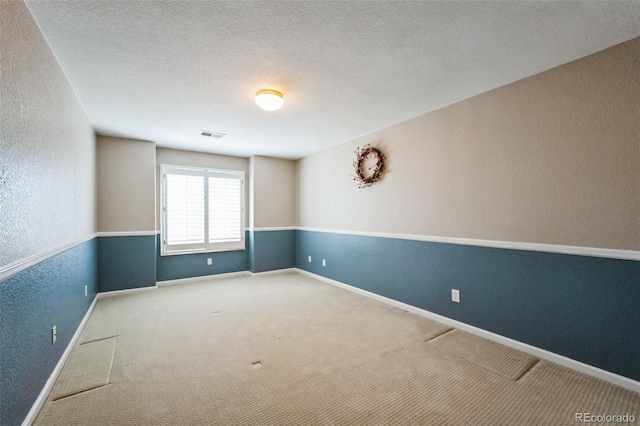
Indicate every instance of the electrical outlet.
{"type": "Point", "coordinates": [324, 262]}
{"type": "Point", "coordinates": [309, 259]}
{"type": "Point", "coordinates": [455, 295]}
{"type": "Point", "coordinates": [86, 291]}
{"type": "Point", "coordinates": [54, 335]}
{"type": "Point", "coordinates": [209, 261]}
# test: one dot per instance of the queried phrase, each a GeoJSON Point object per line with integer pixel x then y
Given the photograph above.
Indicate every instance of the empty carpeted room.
{"type": "Point", "coordinates": [319, 212]}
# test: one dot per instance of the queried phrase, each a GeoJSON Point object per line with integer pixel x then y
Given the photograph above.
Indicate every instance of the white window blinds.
{"type": "Point", "coordinates": [225, 209]}
{"type": "Point", "coordinates": [202, 210]}
{"type": "Point", "coordinates": [185, 209]}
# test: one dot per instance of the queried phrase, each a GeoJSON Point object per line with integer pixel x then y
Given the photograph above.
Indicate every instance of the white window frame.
{"type": "Point", "coordinates": [206, 247]}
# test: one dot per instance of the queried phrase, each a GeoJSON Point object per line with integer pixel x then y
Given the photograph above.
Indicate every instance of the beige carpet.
{"type": "Point", "coordinates": [288, 350]}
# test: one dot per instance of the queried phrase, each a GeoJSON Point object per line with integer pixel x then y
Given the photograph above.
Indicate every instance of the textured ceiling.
{"type": "Point", "coordinates": [164, 70]}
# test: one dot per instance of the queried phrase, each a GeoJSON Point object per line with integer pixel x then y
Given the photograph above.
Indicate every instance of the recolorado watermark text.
{"type": "Point", "coordinates": [603, 418]}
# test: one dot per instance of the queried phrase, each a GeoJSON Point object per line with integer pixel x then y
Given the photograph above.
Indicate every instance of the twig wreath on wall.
{"type": "Point", "coordinates": [377, 169]}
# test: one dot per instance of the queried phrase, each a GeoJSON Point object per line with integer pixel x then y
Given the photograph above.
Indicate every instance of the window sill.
{"type": "Point", "coordinates": [239, 247]}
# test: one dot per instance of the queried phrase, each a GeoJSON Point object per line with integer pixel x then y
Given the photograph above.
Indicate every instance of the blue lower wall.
{"type": "Point", "coordinates": [585, 308]}
{"type": "Point", "coordinates": [195, 265]}
{"type": "Point", "coordinates": [31, 303]}
{"type": "Point", "coordinates": [126, 262]}
{"type": "Point", "coordinates": [272, 250]}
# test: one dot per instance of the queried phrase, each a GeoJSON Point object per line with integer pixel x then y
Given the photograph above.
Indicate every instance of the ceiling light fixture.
{"type": "Point", "coordinates": [269, 100]}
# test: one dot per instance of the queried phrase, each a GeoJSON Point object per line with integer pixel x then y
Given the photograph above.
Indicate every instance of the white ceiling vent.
{"type": "Point", "coordinates": [210, 134]}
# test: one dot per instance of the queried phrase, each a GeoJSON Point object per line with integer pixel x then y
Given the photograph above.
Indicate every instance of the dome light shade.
{"type": "Point", "coordinates": [269, 100]}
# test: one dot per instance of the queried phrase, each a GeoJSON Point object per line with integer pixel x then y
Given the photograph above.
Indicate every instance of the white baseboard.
{"type": "Point", "coordinates": [274, 272]}
{"type": "Point", "coordinates": [44, 393]}
{"type": "Point", "coordinates": [535, 351]}
{"type": "Point", "coordinates": [220, 276]}
{"type": "Point", "coordinates": [105, 294]}
{"type": "Point", "coordinates": [192, 280]}
{"type": "Point", "coordinates": [201, 278]}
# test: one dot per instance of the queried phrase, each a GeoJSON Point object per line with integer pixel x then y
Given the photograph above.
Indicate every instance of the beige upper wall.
{"type": "Point", "coordinates": [198, 159]}
{"type": "Point", "coordinates": [126, 185]}
{"type": "Point", "coordinates": [554, 158]}
{"type": "Point", "coordinates": [273, 192]}
{"type": "Point", "coordinates": [47, 146]}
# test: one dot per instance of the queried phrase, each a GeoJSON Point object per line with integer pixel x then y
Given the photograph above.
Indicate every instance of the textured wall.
{"type": "Point", "coordinates": [47, 147]}
{"type": "Point", "coordinates": [271, 250]}
{"type": "Point", "coordinates": [198, 159]}
{"type": "Point", "coordinates": [272, 204]}
{"type": "Point", "coordinates": [550, 159]}
{"type": "Point", "coordinates": [272, 192]}
{"type": "Point", "coordinates": [126, 262]}
{"type": "Point", "coordinates": [47, 200]}
{"type": "Point", "coordinates": [126, 185]}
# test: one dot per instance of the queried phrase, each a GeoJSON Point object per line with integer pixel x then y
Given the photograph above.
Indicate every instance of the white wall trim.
{"type": "Point", "coordinates": [44, 393]}
{"type": "Point", "coordinates": [535, 351]}
{"type": "Point", "coordinates": [220, 276]}
{"type": "Point", "coordinates": [13, 268]}
{"type": "Point", "coordinates": [113, 293]}
{"type": "Point", "coordinates": [273, 228]}
{"type": "Point", "coordinates": [274, 272]}
{"type": "Point", "coordinates": [127, 233]}
{"type": "Point", "coordinates": [549, 248]}
{"type": "Point", "coordinates": [201, 278]}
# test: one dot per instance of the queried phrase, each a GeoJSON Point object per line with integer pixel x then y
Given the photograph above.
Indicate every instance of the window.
{"type": "Point", "coordinates": [202, 210]}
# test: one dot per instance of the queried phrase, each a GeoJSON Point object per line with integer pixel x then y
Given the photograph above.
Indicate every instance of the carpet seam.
{"type": "Point", "coordinates": [478, 365]}
{"type": "Point", "coordinates": [113, 355]}
{"type": "Point", "coordinates": [99, 340]}
{"type": "Point", "coordinates": [528, 369]}
{"type": "Point", "coordinates": [440, 335]}
{"type": "Point", "coordinates": [79, 392]}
